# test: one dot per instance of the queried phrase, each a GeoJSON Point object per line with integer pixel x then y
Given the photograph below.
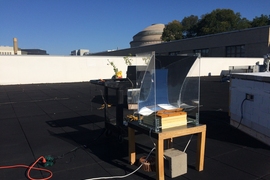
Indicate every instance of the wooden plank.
{"type": "Point", "coordinates": [181, 131]}
{"type": "Point", "coordinates": [132, 106]}
{"type": "Point", "coordinates": [131, 145]}
{"type": "Point", "coordinates": [170, 113]}
{"type": "Point", "coordinates": [160, 160]}
{"type": "Point", "coordinates": [201, 149]}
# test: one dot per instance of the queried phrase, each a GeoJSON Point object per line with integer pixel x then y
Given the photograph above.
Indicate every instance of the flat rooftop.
{"type": "Point", "coordinates": [66, 121]}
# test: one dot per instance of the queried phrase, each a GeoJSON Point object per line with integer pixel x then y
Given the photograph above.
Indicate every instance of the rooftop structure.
{"type": "Point", "coordinates": [63, 120]}
{"type": "Point", "coordinates": [148, 36]}
{"type": "Point", "coordinates": [66, 122]}
{"type": "Point", "coordinates": [80, 52]}
{"type": "Point", "coordinates": [34, 52]}
{"type": "Point", "coordinates": [8, 50]}
{"type": "Point", "coordinates": [253, 42]}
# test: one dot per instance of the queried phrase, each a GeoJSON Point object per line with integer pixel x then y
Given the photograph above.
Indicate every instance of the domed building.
{"type": "Point", "coordinates": [148, 36]}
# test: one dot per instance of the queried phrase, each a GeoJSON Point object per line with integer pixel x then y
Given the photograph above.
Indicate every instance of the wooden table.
{"type": "Point", "coordinates": [168, 134]}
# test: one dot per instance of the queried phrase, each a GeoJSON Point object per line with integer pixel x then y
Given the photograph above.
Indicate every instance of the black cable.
{"type": "Point", "coordinates": [132, 85]}
{"type": "Point", "coordinates": [73, 151]}
{"type": "Point", "coordinates": [242, 114]}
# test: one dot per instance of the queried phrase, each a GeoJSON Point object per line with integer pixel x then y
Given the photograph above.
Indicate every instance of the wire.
{"type": "Point", "coordinates": [188, 143]}
{"type": "Point", "coordinates": [242, 114]}
{"type": "Point", "coordinates": [71, 151]}
{"type": "Point", "coordinates": [132, 85]}
{"type": "Point", "coordinates": [101, 92]}
{"type": "Point", "coordinates": [150, 130]}
{"type": "Point", "coordinates": [113, 177]}
{"type": "Point", "coordinates": [43, 160]}
{"type": "Point", "coordinates": [30, 168]}
{"type": "Point", "coordinates": [106, 105]}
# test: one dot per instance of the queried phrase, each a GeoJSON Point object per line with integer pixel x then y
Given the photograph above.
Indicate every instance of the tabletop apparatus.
{"type": "Point", "coordinates": [168, 95]}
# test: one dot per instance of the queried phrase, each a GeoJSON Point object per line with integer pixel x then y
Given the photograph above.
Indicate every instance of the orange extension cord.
{"type": "Point", "coordinates": [31, 168]}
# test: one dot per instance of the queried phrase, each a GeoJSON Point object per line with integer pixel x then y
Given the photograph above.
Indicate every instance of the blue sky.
{"type": "Point", "coordinates": [60, 26]}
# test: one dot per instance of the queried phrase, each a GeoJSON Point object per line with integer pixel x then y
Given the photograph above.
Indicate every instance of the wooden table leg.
{"type": "Point", "coordinates": [159, 159]}
{"type": "Point", "coordinates": [131, 145]}
{"type": "Point", "coordinates": [168, 143]}
{"type": "Point", "coordinates": [200, 150]}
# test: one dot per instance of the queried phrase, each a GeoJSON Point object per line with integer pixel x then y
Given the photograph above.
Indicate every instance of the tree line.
{"type": "Point", "coordinates": [219, 20]}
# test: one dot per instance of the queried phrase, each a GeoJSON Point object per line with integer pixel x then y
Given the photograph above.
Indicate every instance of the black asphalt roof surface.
{"type": "Point", "coordinates": [64, 120]}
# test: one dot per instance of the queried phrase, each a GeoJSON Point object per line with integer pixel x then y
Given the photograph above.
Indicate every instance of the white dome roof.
{"type": "Point", "coordinates": [150, 35]}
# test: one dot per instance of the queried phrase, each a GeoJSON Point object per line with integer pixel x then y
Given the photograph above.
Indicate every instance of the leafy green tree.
{"type": "Point", "coordinates": [189, 26]}
{"type": "Point", "coordinates": [243, 23]}
{"type": "Point", "coordinates": [263, 20]}
{"type": "Point", "coordinates": [172, 31]}
{"type": "Point", "coordinates": [221, 20]}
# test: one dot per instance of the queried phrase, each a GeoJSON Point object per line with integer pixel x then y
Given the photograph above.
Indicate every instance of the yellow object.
{"type": "Point", "coordinates": [134, 118]}
{"type": "Point", "coordinates": [103, 106]}
{"type": "Point", "coordinates": [119, 74]}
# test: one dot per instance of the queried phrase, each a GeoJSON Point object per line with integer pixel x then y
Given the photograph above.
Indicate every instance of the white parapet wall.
{"type": "Point", "coordinates": [26, 69]}
{"type": "Point", "coordinates": [250, 105]}
{"type": "Point", "coordinates": [55, 69]}
{"type": "Point", "coordinates": [215, 65]}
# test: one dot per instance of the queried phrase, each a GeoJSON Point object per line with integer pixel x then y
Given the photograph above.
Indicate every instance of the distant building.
{"type": "Point", "coordinates": [79, 52]}
{"type": "Point", "coordinates": [252, 42]}
{"type": "Point", "coordinates": [8, 50]}
{"type": "Point", "coordinates": [34, 52]}
{"type": "Point", "coordinates": [148, 36]}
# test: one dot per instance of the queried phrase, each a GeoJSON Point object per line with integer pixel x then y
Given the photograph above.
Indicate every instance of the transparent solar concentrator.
{"type": "Point", "coordinates": [169, 92]}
